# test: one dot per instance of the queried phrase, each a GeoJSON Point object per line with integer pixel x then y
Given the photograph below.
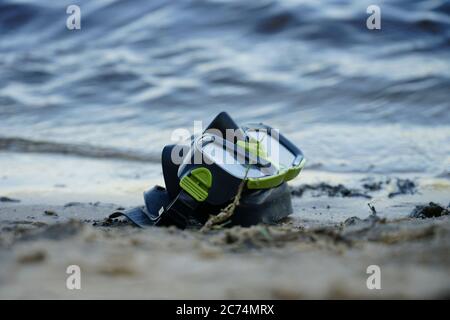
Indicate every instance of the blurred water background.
{"type": "Point", "coordinates": [355, 100]}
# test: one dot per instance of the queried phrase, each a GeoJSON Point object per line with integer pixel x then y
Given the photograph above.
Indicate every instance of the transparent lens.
{"type": "Point", "coordinates": [276, 153]}
{"type": "Point", "coordinates": [215, 152]}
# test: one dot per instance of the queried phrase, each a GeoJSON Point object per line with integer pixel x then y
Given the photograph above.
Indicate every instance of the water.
{"type": "Point", "coordinates": [355, 100]}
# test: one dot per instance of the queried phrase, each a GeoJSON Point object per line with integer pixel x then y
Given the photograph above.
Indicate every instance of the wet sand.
{"type": "Point", "coordinates": [322, 251]}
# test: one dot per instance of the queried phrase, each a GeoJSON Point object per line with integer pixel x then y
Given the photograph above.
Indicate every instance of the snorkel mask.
{"type": "Point", "coordinates": [254, 161]}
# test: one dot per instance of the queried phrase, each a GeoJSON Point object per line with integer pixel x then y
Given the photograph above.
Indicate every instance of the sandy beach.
{"type": "Point", "coordinates": [86, 109]}
{"type": "Point", "coordinates": [322, 251]}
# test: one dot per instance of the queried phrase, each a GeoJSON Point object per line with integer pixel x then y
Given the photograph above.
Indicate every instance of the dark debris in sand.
{"type": "Point", "coordinates": [369, 185]}
{"type": "Point", "coordinates": [432, 210]}
{"type": "Point", "coordinates": [404, 186]}
{"type": "Point", "coordinates": [7, 199]}
{"type": "Point", "coordinates": [111, 222]}
{"type": "Point", "coordinates": [373, 185]}
{"type": "Point", "coordinates": [325, 189]}
{"type": "Point", "coordinates": [72, 204]}
{"type": "Point", "coordinates": [50, 213]}
{"type": "Point", "coordinates": [400, 186]}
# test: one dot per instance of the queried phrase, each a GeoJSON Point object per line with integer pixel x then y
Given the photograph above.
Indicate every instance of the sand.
{"type": "Point", "coordinates": [323, 251]}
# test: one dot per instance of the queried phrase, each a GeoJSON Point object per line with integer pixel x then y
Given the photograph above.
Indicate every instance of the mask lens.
{"type": "Point", "coordinates": [222, 153]}
{"type": "Point", "coordinates": [275, 152]}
